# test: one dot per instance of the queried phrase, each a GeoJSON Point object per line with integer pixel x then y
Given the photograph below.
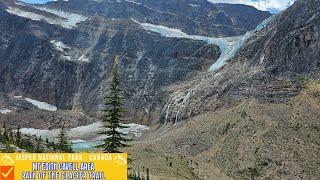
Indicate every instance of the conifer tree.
{"type": "Point", "coordinates": [53, 145]}
{"type": "Point", "coordinates": [5, 133]}
{"type": "Point", "coordinates": [18, 138]}
{"type": "Point", "coordinates": [111, 118]}
{"type": "Point", "coordinates": [10, 134]}
{"type": "Point", "coordinates": [63, 145]}
{"type": "Point", "coordinates": [38, 145]}
{"type": "Point", "coordinates": [148, 175]}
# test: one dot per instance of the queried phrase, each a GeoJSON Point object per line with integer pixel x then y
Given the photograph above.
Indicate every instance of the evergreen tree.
{"type": "Point", "coordinates": [53, 145]}
{"type": "Point", "coordinates": [38, 145]}
{"type": "Point", "coordinates": [63, 145]}
{"type": "Point", "coordinates": [18, 138]}
{"type": "Point", "coordinates": [10, 134]}
{"type": "Point", "coordinates": [5, 133]}
{"type": "Point", "coordinates": [111, 117]}
{"type": "Point", "coordinates": [148, 175]}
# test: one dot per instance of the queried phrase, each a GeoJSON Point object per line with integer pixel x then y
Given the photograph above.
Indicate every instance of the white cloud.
{"type": "Point", "coordinates": [260, 4]}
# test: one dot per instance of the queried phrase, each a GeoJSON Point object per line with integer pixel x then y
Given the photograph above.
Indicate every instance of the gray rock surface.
{"type": "Point", "coordinates": [76, 76]}
{"type": "Point", "coordinates": [269, 67]}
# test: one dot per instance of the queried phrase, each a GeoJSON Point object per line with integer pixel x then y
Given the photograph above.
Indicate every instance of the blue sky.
{"type": "Point", "coordinates": [273, 6]}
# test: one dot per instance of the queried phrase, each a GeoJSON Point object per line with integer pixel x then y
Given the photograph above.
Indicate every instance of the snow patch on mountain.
{"type": "Point", "coordinates": [31, 15]}
{"type": "Point", "coordinates": [70, 19]}
{"type": "Point", "coordinates": [85, 137]}
{"type": "Point", "coordinates": [130, 1]}
{"type": "Point", "coordinates": [194, 5]}
{"type": "Point", "coordinates": [64, 19]}
{"type": "Point", "coordinates": [42, 105]}
{"type": "Point", "coordinates": [83, 58]}
{"type": "Point", "coordinates": [60, 46]}
{"type": "Point", "coordinates": [5, 111]}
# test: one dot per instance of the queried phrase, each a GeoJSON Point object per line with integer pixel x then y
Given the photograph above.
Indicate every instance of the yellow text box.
{"type": "Point", "coordinates": [58, 166]}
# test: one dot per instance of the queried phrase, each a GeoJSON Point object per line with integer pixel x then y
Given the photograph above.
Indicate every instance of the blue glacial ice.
{"type": "Point", "coordinates": [229, 46]}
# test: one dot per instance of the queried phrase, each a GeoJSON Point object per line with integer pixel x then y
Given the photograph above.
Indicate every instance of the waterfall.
{"type": "Point", "coordinates": [229, 46]}
{"type": "Point", "coordinates": [167, 114]}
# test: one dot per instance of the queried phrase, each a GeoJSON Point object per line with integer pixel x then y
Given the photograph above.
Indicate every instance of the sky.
{"type": "Point", "coordinates": [274, 6]}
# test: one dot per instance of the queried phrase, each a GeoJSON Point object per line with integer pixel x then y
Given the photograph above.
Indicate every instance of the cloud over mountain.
{"type": "Point", "coordinates": [267, 5]}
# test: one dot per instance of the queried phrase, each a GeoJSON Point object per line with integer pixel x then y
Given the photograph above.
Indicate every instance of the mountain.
{"type": "Point", "coordinates": [62, 53]}
{"type": "Point", "coordinates": [228, 91]}
{"type": "Point", "coordinates": [257, 117]}
{"type": "Point", "coordinates": [267, 67]}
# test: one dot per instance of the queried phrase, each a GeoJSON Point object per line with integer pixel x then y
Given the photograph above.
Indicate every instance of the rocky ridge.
{"type": "Point", "coordinates": [62, 53]}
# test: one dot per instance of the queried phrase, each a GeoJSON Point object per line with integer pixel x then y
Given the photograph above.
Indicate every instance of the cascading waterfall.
{"type": "Point", "coordinates": [167, 114]}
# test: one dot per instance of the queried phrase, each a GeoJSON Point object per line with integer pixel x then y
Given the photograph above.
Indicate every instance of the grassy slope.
{"type": "Point", "coordinates": [251, 140]}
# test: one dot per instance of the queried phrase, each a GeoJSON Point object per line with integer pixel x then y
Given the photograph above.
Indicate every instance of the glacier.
{"type": "Point", "coordinates": [64, 19]}
{"type": "Point", "coordinates": [70, 19]}
{"type": "Point", "coordinates": [42, 105]}
{"type": "Point", "coordinates": [229, 46]}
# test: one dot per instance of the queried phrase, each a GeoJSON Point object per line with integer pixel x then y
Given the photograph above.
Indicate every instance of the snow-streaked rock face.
{"type": "Point", "coordinates": [64, 19]}
{"type": "Point", "coordinates": [5, 111]}
{"type": "Point", "coordinates": [229, 46]}
{"type": "Point", "coordinates": [133, 2]}
{"type": "Point", "coordinates": [66, 52]}
{"type": "Point", "coordinates": [70, 19]}
{"type": "Point", "coordinates": [60, 46]}
{"type": "Point", "coordinates": [32, 15]}
{"type": "Point", "coordinates": [84, 137]}
{"type": "Point", "coordinates": [83, 58]}
{"type": "Point", "coordinates": [149, 62]}
{"type": "Point", "coordinates": [42, 105]}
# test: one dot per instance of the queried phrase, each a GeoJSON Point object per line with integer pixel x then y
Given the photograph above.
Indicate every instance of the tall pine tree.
{"type": "Point", "coordinates": [18, 136]}
{"type": "Point", "coordinates": [5, 133]}
{"type": "Point", "coordinates": [62, 144]}
{"type": "Point", "coordinates": [111, 117]}
{"type": "Point", "coordinates": [39, 148]}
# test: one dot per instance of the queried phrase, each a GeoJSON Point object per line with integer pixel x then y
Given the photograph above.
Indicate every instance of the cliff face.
{"type": "Point", "coordinates": [191, 16]}
{"type": "Point", "coordinates": [62, 52]}
{"type": "Point", "coordinates": [268, 67]}
{"type": "Point", "coordinates": [290, 44]}
{"type": "Point", "coordinates": [257, 117]}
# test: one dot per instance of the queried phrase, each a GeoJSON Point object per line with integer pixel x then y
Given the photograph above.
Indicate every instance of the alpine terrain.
{"type": "Point", "coordinates": [211, 90]}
